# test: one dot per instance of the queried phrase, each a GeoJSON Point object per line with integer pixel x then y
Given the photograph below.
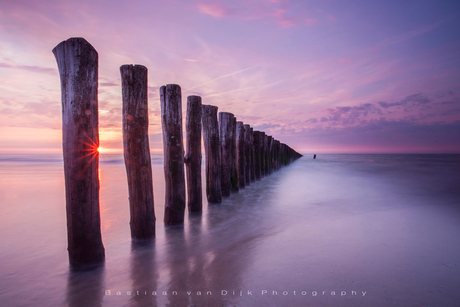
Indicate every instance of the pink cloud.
{"type": "Point", "coordinates": [310, 21]}
{"type": "Point", "coordinates": [274, 10]}
{"type": "Point", "coordinates": [279, 13]}
{"type": "Point", "coordinates": [287, 22]}
{"type": "Point", "coordinates": [214, 9]}
{"type": "Point", "coordinates": [345, 61]}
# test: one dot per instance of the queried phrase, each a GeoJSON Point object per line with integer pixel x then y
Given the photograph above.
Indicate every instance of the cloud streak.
{"type": "Point", "coordinates": [35, 69]}
{"type": "Point", "coordinates": [280, 12]}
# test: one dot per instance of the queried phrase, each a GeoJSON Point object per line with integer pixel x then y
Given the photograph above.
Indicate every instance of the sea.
{"type": "Point", "coordinates": [339, 230]}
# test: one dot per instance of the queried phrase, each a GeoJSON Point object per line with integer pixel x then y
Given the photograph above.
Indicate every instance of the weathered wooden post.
{"type": "Point", "coordinates": [289, 151]}
{"type": "Point", "coordinates": [240, 154]}
{"type": "Point", "coordinates": [137, 151]}
{"type": "Point", "coordinates": [251, 155]}
{"type": "Point", "coordinates": [212, 153]}
{"type": "Point", "coordinates": [257, 155]}
{"type": "Point", "coordinates": [269, 154]}
{"type": "Point", "coordinates": [226, 138]}
{"type": "Point", "coordinates": [77, 62]}
{"type": "Point", "coordinates": [283, 154]}
{"type": "Point", "coordinates": [193, 156]}
{"type": "Point", "coordinates": [173, 149]}
{"type": "Point", "coordinates": [247, 155]}
{"type": "Point", "coordinates": [277, 153]}
{"type": "Point", "coordinates": [280, 158]}
{"type": "Point", "coordinates": [234, 182]}
{"type": "Point", "coordinates": [263, 154]}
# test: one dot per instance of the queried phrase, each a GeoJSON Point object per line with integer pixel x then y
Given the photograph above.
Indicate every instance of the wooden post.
{"type": "Point", "coordinates": [247, 151]}
{"type": "Point", "coordinates": [226, 138]}
{"type": "Point", "coordinates": [212, 153]}
{"type": "Point", "coordinates": [283, 154]}
{"type": "Point", "coordinates": [240, 153]}
{"type": "Point", "coordinates": [137, 151]}
{"type": "Point", "coordinates": [173, 149]}
{"type": "Point", "coordinates": [193, 157]}
{"type": "Point", "coordinates": [257, 155]}
{"type": "Point", "coordinates": [77, 62]}
{"type": "Point", "coordinates": [277, 154]}
{"type": "Point", "coordinates": [234, 182]}
{"type": "Point", "coordinates": [252, 173]}
{"type": "Point", "coordinates": [263, 154]}
{"type": "Point", "coordinates": [269, 154]}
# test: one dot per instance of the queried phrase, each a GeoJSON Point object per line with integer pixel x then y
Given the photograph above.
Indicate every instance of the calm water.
{"type": "Point", "coordinates": [341, 230]}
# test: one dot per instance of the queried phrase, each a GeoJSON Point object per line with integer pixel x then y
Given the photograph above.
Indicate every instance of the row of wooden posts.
{"type": "Point", "coordinates": [235, 155]}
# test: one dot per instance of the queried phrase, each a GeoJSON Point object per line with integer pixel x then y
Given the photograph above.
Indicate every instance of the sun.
{"type": "Point", "coordinates": [100, 149]}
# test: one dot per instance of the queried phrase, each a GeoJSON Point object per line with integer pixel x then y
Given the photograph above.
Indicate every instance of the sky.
{"type": "Point", "coordinates": [321, 76]}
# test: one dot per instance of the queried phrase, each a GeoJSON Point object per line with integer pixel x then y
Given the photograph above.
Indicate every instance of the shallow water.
{"type": "Point", "coordinates": [341, 230]}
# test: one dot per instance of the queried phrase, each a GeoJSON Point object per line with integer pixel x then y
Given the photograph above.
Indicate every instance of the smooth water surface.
{"type": "Point", "coordinates": [341, 230]}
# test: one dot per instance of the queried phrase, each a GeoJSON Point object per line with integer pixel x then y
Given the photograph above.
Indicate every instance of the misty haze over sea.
{"type": "Point", "coordinates": [340, 230]}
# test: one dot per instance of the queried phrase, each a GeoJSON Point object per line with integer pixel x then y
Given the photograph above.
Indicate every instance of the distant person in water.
{"type": "Point", "coordinates": [314, 156]}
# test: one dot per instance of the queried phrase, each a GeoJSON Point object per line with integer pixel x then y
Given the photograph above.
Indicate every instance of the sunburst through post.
{"type": "Point", "coordinates": [78, 69]}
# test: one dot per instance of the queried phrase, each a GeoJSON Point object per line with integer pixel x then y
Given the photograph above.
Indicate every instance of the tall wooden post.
{"type": "Point", "coordinates": [240, 154]}
{"type": "Point", "coordinates": [193, 155]}
{"type": "Point", "coordinates": [267, 154]}
{"type": "Point", "coordinates": [263, 155]}
{"type": "Point", "coordinates": [77, 62]}
{"type": "Point", "coordinates": [173, 149]}
{"type": "Point", "coordinates": [252, 173]}
{"type": "Point", "coordinates": [137, 151]}
{"type": "Point", "coordinates": [226, 138]}
{"type": "Point", "coordinates": [212, 153]}
{"type": "Point", "coordinates": [283, 154]}
{"type": "Point", "coordinates": [270, 154]}
{"type": "Point", "coordinates": [276, 153]}
{"type": "Point", "coordinates": [247, 151]}
{"type": "Point", "coordinates": [257, 155]}
{"type": "Point", "coordinates": [234, 182]}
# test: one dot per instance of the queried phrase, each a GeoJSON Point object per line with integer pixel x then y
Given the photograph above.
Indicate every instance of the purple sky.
{"type": "Point", "coordinates": [320, 76]}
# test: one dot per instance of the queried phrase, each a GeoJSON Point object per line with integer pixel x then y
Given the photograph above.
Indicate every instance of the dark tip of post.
{"type": "Point", "coordinates": [137, 66]}
{"type": "Point", "coordinates": [73, 41]}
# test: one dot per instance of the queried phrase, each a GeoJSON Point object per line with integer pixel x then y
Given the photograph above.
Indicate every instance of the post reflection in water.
{"type": "Point", "coordinates": [176, 260]}
{"type": "Point", "coordinates": [228, 256]}
{"type": "Point", "coordinates": [203, 262]}
{"type": "Point", "coordinates": [86, 288]}
{"type": "Point", "coordinates": [144, 275]}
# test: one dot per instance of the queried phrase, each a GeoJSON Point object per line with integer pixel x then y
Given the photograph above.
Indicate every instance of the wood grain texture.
{"type": "Point", "coordinates": [173, 149]}
{"type": "Point", "coordinates": [193, 154]}
{"type": "Point", "coordinates": [136, 151]}
{"type": "Point", "coordinates": [78, 69]}
{"type": "Point", "coordinates": [212, 154]}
